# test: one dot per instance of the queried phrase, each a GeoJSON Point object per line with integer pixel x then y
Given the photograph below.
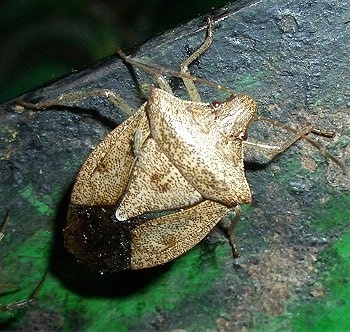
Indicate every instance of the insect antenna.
{"type": "Point", "coordinates": [155, 70]}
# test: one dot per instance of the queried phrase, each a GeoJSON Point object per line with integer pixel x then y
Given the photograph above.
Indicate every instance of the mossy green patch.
{"type": "Point", "coordinates": [22, 270]}
{"type": "Point", "coordinates": [42, 208]}
{"type": "Point", "coordinates": [272, 324]}
{"type": "Point", "coordinates": [331, 312]}
{"type": "Point", "coordinates": [249, 82]}
{"type": "Point", "coordinates": [187, 278]}
{"type": "Point", "coordinates": [334, 213]}
{"type": "Point", "coordinates": [190, 276]}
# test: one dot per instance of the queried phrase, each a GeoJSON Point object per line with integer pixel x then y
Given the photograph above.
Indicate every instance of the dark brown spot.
{"type": "Point", "coordinates": [157, 178]}
{"type": "Point", "coordinates": [97, 239]}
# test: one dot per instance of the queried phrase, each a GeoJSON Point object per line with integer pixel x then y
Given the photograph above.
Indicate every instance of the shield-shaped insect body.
{"type": "Point", "coordinates": [158, 183]}
{"type": "Point", "coordinates": [181, 158]}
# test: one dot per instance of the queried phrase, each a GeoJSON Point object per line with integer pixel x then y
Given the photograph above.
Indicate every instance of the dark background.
{"type": "Point", "coordinates": [43, 40]}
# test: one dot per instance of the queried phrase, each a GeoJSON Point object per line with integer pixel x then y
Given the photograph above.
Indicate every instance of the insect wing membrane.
{"type": "Point", "coordinates": [165, 238]}
{"type": "Point", "coordinates": [92, 233]}
{"type": "Point", "coordinates": [104, 175]}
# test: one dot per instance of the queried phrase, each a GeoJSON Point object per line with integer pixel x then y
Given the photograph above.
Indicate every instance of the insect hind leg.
{"type": "Point", "coordinates": [22, 303]}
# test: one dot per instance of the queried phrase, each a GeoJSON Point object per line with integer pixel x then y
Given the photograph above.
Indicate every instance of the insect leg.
{"type": "Point", "coordinates": [163, 83]}
{"type": "Point", "coordinates": [274, 151]}
{"type": "Point", "coordinates": [190, 86]}
{"type": "Point", "coordinates": [4, 225]}
{"type": "Point", "coordinates": [231, 230]}
{"type": "Point", "coordinates": [184, 73]}
{"type": "Point", "coordinates": [22, 303]}
{"type": "Point", "coordinates": [80, 95]}
{"type": "Point", "coordinates": [155, 71]}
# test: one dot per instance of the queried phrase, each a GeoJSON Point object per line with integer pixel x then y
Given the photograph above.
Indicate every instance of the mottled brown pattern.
{"type": "Point", "coordinates": [105, 173]}
{"type": "Point", "coordinates": [165, 238]}
{"type": "Point", "coordinates": [195, 152]}
{"type": "Point", "coordinates": [144, 195]}
{"type": "Point", "coordinates": [172, 155]}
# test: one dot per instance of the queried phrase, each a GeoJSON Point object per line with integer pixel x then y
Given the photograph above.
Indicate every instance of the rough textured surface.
{"type": "Point", "coordinates": [292, 57]}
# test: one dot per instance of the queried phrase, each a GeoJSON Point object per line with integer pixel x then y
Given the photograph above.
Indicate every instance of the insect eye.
{"type": "Point", "coordinates": [215, 104]}
{"type": "Point", "coordinates": [243, 136]}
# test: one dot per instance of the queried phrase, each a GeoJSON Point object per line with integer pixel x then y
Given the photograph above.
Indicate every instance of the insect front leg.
{"type": "Point", "coordinates": [274, 150]}
{"type": "Point", "coordinates": [67, 98]}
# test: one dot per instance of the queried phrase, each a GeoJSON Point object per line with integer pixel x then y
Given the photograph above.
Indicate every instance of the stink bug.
{"type": "Point", "coordinates": [159, 182]}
